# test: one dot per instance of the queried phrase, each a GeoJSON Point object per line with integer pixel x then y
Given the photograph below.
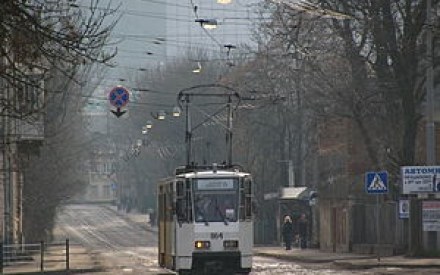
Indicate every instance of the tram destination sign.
{"type": "Point", "coordinates": [420, 179]}
{"type": "Point", "coordinates": [215, 184]}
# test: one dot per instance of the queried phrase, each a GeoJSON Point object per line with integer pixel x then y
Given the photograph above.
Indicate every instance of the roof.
{"type": "Point", "coordinates": [295, 193]}
{"type": "Point", "coordinates": [219, 174]}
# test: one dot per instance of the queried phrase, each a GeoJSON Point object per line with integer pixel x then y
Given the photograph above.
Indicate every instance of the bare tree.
{"type": "Point", "coordinates": [42, 39]}
{"type": "Point", "coordinates": [53, 171]}
{"type": "Point", "coordinates": [47, 49]}
{"type": "Point", "coordinates": [163, 147]}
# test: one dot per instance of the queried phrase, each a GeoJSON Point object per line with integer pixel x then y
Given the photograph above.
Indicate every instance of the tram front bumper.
{"type": "Point", "coordinates": [214, 262]}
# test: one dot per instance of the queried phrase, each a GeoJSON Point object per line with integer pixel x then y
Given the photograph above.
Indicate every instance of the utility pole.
{"type": "Point", "coordinates": [7, 181]}
{"type": "Point", "coordinates": [430, 237]}
{"type": "Point", "coordinates": [291, 173]}
{"type": "Point", "coordinates": [430, 124]}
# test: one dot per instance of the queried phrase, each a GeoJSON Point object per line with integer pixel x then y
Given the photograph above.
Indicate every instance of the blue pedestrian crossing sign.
{"type": "Point", "coordinates": [376, 182]}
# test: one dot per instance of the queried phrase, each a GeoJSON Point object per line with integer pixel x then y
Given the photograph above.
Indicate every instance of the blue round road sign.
{"type": "Point", "coordinates": [118, 96]}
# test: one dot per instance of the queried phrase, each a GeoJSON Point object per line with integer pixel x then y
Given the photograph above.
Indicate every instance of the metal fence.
{"type": "Point", "coordinates": [37, 255]}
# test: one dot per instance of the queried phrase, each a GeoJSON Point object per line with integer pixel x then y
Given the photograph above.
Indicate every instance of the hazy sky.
{"type": "Point", "coordinates": [141, 23]}
{"type": "Point", "coordinates": [150, 32]}
{"type": "Point", "coordinates": [154, 31]}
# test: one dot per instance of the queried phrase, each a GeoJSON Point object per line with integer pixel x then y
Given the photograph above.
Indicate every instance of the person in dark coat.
{"type": "Point", "coordinates": [288, 232]}
{"type": "Point", "coordinates": [302, 230]}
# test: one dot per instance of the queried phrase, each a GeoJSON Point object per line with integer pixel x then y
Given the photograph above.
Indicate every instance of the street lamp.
{"type": "Point", "coordinates": [161, 115]}
{"type": "Point", "coordinates": [139, 142]}
{"type": "Point", "coordinates": [176, 111]}
{"type": "Point", "coordinates": [198, 69]}
{"type": "Point", "coordinates": [149, 124]}
{"type": "Point", "coordinates": [207, 23]}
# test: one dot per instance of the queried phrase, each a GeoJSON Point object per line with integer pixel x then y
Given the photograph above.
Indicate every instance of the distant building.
{"type": "Point", "coordinates": [102, 182]}
{"type": "Point", "coordinates": [20, 138]}
{"type": "Point", "coordinates": [101, 165]}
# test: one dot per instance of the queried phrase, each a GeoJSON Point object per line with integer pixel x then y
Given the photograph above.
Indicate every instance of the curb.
{"type": "Point", "coordinates": [293, 257]}
{"type": "Point", "coordinates": [311, 259]}
{"type": "Point", "coordinates": [353, 265]}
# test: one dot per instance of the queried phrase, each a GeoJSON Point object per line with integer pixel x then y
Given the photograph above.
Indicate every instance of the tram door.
{"type": "Point", "coordinates": [166, 228]}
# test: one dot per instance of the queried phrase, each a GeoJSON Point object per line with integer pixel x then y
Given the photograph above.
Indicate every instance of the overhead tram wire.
{"type": "Point", "coordinates": [160, 2]}
{"type": "Point", "coordinates": [177, 17]}
{"type": "Point", "coordinates": [155, 15]}
{"type": "Point", "coordinates": [142, 39]}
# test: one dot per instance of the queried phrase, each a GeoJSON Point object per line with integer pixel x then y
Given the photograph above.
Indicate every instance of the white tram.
{"type": "Point", "coordinates": [205, 221]}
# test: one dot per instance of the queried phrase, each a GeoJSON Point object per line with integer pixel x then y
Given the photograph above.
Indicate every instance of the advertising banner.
{"type": "Point", "coordinates": [431, 215]}
{"type": "Point", "coordinates": [420, 179]}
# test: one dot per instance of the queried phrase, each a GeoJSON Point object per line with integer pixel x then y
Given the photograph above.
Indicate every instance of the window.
{"type": "Point", "coordinates": [29, 95]}
{"type": "Point", "coordinates": [246, 198]}
{"type": "Point", "coordinates": [216, 200]}
{"type": "Point", "coordinates": [169, 200]}
{"type": "Point", "coordinates": [161, 203]}
{"type": "Point", "coordinates": [183, 202]}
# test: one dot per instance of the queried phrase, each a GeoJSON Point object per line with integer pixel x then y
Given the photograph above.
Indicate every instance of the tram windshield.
{"type": "Point", "coordinates": [216, 200]}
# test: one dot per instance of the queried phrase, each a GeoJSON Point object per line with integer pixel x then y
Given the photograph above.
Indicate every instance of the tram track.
{"type": "Point", "coordinates": [124, 245]}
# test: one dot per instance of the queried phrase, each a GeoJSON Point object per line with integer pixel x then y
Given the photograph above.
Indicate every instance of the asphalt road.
{"type": "Point", "coordinates": [123, 246]}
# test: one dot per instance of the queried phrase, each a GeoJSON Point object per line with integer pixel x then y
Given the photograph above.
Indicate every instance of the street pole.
{"type": "Point", "coordinates": [430, 238]}
{"type": "Point", "coordinates": [291, 174]}
{"type": "Point", "coordinates": [430, 126]}
{"type": "Point", "coordinates": [378, 227]}
{"type": "Point", "coordinates": [7, 173]}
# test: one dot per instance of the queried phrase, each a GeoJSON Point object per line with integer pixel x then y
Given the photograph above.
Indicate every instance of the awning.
{"type": "Point", "coordinates": [295, 193]}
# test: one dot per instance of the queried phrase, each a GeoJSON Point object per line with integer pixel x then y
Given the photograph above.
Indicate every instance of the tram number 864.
{"type": "Point", "coordinates": [217, 235]}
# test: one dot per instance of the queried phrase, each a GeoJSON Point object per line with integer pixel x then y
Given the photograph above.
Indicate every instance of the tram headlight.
{"type": "Point", "coordinates": [202, 244]}
{"type": "Point", "coordinates": [230, 244]}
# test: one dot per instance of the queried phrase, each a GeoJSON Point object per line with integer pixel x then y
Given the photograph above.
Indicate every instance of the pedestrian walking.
{"type": "Point", "coordinates": [288, 232]}
{"type": "Point", "coordinates": [302, 230]}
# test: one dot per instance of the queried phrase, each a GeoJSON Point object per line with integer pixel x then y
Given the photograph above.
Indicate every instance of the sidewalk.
{"type": "Point", "coordinates": [345, 260]}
